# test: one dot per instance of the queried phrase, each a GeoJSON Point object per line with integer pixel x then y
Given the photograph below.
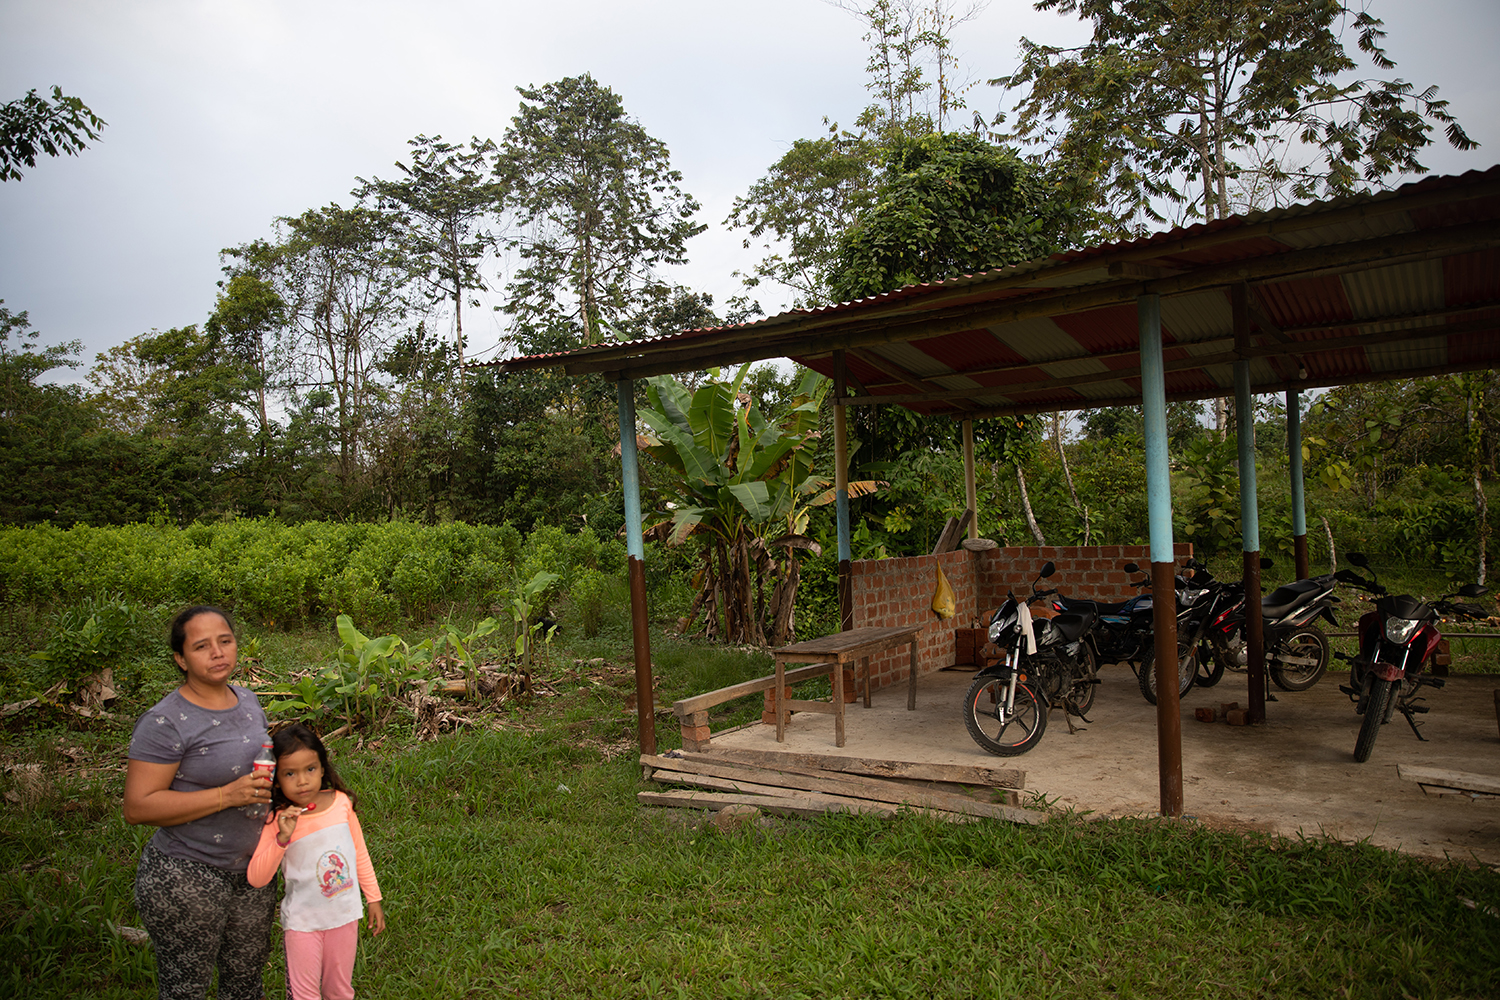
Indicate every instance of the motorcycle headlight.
{"type": "Point", "coordinates": [1002, 627]}
{"type": "Point", "coordinates": [1399, 630]}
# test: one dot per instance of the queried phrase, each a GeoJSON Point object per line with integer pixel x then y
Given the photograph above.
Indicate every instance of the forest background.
{"type": "Point", "coordinates": [315, 445]}
{"type": "Point", "coordinates": [310, 453]}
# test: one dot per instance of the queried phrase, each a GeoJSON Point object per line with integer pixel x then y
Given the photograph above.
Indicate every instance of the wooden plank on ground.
{"type": "Point", "coordinates": [964, 774]}
{"type": "Point", "coordinates": [853, 786]}
{"type": "Point", "coordinates": [717, 784]}
{"type": "Point", "coordinates": [687, 706]}
{"type": "Point", "coordinates": [1441, 781]}
{"type": "Point", "coordinates": [805, 805]}
{"type": "Point", "coordinates": [802, 805]}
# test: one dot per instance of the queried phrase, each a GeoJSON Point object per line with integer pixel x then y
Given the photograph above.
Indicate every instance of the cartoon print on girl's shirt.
{"type": "Point", "coordinates": [333, 874]}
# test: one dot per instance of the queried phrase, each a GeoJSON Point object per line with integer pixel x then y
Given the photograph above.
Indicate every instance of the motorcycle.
{"type": "Point", "coordinates": [1297, 651]}
{"type": "Point", "coordinates": [1396, 641]}
{"type": "Point", "coordinates": [1047, 662]}
{"type": "Point", "coordinates": [1123, 633]}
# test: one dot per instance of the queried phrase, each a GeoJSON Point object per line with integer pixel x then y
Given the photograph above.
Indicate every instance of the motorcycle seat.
{"type": "Point", "coordinates": [1101, 607]}
{"type": "Point", "coordinates": [1073, 625]}
{"type": "Point", "coordinates": [1283, 599]}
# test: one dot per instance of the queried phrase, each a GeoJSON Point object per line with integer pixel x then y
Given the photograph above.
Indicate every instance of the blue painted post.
{"type": "Point", "coordinates": [1255, 647]}
{"type": "Point", "coordinates": [1163, 563]}
{"type": "Point", "coordinates": [635, 554]}
{"type": "Point", "coordinates": [1294, 459]}
{"type": "Point", "coordinates": [841, 494]}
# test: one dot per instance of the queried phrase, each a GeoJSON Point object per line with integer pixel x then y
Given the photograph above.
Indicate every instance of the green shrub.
{"type": "Point", "coordinates": [591, 597]}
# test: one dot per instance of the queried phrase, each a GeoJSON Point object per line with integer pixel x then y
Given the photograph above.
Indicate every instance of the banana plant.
{"type": "Point", "coordinates": [744, 485]}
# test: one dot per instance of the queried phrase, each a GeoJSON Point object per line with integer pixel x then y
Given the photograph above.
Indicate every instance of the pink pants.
{"type": "Point", "coordinates": [320, 964]}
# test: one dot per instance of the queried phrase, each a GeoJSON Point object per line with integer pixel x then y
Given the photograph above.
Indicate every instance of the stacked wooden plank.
{"type": "Point", "coordinates": [1441, 781]}
{"type": "Point", "coordinates": [790, 784]}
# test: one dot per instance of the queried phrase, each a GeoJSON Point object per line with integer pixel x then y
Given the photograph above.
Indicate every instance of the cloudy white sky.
{"type": "Point", "coordinates": [224, 114]}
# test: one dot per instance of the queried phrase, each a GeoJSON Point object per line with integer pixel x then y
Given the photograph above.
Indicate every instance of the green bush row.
{"type": "Point", "coordinates": [375, 573]}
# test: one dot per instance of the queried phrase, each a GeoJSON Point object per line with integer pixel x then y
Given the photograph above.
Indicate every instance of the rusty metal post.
{"type": "Point", "coordinates": [1294, 463]}
{"type": "Point", "coordinates": [841, 492]}
{"type": "Point", "coordinates": [1163, 561]}
{"type": "Point", "coordinates": [1244, 419]}
{"type": "Point", "coordinates": [971, 486]}
{"type": "Point", "coordinates": [635, 551]}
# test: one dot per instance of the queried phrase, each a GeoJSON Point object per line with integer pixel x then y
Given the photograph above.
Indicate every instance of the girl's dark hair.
{"type": "Point", "coordinates": [178, 635]}
{"type": "Point", "coordinates": [298, 737]}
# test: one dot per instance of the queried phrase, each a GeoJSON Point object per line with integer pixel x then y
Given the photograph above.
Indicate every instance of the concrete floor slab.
{"type": "Point", "coordinates": [1294, 775]}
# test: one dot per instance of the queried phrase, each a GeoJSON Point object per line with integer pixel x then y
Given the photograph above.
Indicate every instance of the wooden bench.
{"type": "Point", "coordinates": [830, 654]}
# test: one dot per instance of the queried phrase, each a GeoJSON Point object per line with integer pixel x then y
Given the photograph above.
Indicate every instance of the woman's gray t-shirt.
{"type": "Point", "coordinates": [211, 748]}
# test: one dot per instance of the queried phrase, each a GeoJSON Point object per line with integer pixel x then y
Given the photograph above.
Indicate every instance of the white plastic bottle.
{"type": "Point", "coordinates": [265, 763]}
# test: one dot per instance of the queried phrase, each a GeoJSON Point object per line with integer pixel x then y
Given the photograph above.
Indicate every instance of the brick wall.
{"type": "Point", "coordinates": [891, 592]}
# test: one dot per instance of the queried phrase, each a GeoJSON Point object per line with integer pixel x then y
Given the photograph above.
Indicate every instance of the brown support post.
{"type": "Point", "coordinates": [971, 486]}
{"type": "Point", "coordinates": [1299, 557]}
{"type": "Point", "coordinates": [645, 708]}
{"type": "Point", "coordinates": [1168, 704]}
{"type": "Point", "coordinates": [841, 491]}
{"type": "Point", "coordinates": [1255, 643]}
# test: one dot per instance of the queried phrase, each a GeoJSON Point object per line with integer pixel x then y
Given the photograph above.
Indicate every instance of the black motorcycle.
{"type": "Point", "coordinates": [1047, 662]}
{"type": "Point", "coordinates": [1296, 649]}
{"type": "Point", "coordinates": [1123, 632]}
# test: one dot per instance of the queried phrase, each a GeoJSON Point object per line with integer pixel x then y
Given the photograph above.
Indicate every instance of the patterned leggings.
{"type": "Point", "coordinates": [200, 916]}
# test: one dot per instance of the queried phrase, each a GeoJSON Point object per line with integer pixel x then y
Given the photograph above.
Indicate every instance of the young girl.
{"type": "Point", "coordinates": [316, 841]}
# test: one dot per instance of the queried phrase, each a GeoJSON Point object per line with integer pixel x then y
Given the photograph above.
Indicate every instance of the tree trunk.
{"type": "Point", "coordinates": [1476, 452]}
{"type": "Point", "coordinates": [1036, 531]}
{"type": "Point", "coordinates": [1062, 454]}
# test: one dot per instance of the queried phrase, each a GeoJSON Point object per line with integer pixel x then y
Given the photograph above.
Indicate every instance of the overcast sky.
{"type": "Point", "coordinates": [224, 114]}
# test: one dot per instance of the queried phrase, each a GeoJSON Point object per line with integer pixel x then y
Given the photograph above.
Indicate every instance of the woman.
{"type": "Point", "coordinates": [190, 774]}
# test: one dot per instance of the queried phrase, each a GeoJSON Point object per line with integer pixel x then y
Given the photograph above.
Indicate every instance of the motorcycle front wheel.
{"type": "Point", "coordinates": [1210, 665]}
{"type": "Point", "coordinates": [1080, 696]}
{"type": "Point", "coordinates": [1309, 646]}
{"type": "Point", "coordinates": [1005, 734]}
{"type": "Point", "coordinates": [1187, 669]}
{"type": "Point", "coordinates": [1375, 706]}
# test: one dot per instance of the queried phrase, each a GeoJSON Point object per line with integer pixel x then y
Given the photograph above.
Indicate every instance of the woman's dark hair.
{"type": "Point", "coordinates": [298, 737]}
{"type": "Point", "coordinates": [177, 637]}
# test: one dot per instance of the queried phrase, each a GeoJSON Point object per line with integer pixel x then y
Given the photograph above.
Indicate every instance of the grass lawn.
{"type": "Point", "coordinates": [515, 861]}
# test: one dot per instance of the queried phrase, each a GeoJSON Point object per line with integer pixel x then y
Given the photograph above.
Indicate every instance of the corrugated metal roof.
{"type": "Point", "coordinates": [1332, 287]}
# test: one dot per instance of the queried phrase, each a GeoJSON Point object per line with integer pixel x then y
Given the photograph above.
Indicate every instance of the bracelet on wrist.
{"type": "Point", "coordinates": [282, 843]}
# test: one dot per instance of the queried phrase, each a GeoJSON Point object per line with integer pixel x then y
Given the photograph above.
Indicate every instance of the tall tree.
{"type": "Point", "coordinates": [443, 206]}
{"type": "Point", "coordinates": [248, 316]}
{"type": "Point", "coordinates": [341, 275]}
{"type": "Point", "coordinates": [1205, 107]}
{"type": "Point", "coordinates": [33, 125]}
{"type": "Point", "coordinates": [801, 207]}
{"type": "Point", "coordinates": [600, 209]}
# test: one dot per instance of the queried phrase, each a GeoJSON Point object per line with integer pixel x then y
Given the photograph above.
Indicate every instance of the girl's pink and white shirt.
{"type": "Point", "coordinates": [326, 866]}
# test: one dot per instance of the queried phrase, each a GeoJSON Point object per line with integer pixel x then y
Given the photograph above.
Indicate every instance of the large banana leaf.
{"type": "Point", "coordinates": [755, 497]}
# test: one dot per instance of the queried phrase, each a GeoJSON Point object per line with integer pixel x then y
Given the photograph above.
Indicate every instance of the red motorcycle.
{"type": "Point", "coordinates": [1396, 641]}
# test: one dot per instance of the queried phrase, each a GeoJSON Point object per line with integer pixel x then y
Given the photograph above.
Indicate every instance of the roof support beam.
{"type": "Point", "coordinates": [1244, 421]}
{"type": "Point", "coordinates": [635, 553]}
{"type": "Point", "coordinates": [1163, 558]}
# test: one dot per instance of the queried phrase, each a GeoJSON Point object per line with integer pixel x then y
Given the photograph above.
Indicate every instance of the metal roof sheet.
{"type": "Point", "coordinates": [1337, 291]}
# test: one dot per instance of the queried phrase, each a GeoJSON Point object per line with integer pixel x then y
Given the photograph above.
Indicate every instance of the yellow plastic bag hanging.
{"type": "Point", "coordinates": [944, 602]}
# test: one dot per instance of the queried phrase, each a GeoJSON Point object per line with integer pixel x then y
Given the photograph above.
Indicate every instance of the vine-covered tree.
{"type": "Point", "coordinates": [1203, 107]}
{"type": "Point", "coordinates": [599, 210]}
{"type": "Point", "coordinates": [949, 205]}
